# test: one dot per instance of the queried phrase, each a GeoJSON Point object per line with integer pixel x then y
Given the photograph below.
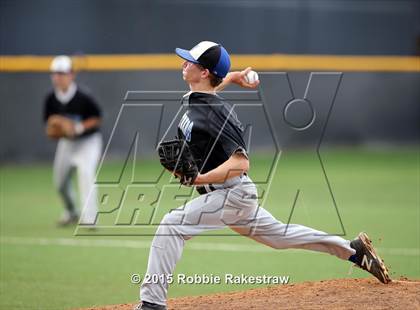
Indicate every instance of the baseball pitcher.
{"type": "Point", "coordinates": [210, 153]}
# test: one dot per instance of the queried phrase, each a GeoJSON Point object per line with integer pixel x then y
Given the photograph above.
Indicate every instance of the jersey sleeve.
{"type": "Point", "coordinates": [227, 131]}
{"type": "Point", "coordinates": [48, 109]}
{"type": "Point", "coordinates": [92, 109]}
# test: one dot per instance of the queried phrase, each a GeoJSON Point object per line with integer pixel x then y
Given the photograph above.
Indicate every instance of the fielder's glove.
{"type": "Point", "coordinates": [59, 126]}
{"type": "Point", "coordinates": [175, 155]}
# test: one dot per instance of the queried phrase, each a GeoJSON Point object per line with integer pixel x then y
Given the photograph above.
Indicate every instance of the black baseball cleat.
{"type": "Point", "coordinates": [149, 306]}
{"type": "Point", "coordinates": [367, 259]}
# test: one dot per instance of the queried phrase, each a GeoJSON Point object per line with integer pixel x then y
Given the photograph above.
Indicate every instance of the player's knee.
{"type": "Point", "coordinates": [275, 244]}
{"type": "Point", "coordinates": [169, 226]}
{"type": "Point", "coordinates": [172, 218]}
{"type": "Point", "coordinates": [279, 246]}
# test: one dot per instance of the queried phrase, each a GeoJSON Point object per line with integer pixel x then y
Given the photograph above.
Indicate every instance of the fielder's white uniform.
{"type": "Point", "coordinates": [81, 153]}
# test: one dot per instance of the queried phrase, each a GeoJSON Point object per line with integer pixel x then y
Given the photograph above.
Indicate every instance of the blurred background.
{"type": "Point", "coordinates": [367, 114]}
{"type": "Point", "coordinates": [128, 45]}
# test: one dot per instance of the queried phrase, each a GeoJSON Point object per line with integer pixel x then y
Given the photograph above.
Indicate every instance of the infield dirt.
{"type": "Point", "coordinates": [329, 294]}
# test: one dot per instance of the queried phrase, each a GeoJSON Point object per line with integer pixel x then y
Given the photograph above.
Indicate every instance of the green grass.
{"type": "Point", "coordinates": [375, 191]}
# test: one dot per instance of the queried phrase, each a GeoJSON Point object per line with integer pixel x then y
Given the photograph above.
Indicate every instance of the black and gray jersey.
{"type": "Point", "coordinates": [212, 130]}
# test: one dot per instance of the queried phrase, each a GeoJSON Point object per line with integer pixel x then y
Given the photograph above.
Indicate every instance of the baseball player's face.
{"type": "Point", "coordinates": [62, 81]}
{"type": "Point", "coordinates": [192, 73]}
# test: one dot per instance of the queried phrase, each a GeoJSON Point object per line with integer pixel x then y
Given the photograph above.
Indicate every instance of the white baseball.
{"type": "Point", "coordinates": [251, 77]}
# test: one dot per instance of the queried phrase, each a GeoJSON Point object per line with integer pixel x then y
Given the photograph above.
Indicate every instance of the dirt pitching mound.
{"type": "Point", "coordinates": [331, 294]}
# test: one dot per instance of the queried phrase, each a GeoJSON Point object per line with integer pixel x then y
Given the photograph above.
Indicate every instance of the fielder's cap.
{"type": "Point", "coordinates": [210, 55]}
{"type": "Point", "coordinates": [61, 64]}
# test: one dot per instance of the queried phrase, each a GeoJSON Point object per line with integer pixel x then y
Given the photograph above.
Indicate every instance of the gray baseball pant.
{"type": "Point", "coordinates": [236, 207]}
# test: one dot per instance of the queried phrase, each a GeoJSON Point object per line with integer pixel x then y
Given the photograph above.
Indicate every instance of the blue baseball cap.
{"type": "Point", "coordinates": [210, 55]}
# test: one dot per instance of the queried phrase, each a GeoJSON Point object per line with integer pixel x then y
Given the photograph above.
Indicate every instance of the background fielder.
{"type": "Point", "coordinates": [73, 117]}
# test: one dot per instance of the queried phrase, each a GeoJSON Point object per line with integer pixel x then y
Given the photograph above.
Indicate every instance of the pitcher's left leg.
{"type": "Point", "coordinates": [266, 229]}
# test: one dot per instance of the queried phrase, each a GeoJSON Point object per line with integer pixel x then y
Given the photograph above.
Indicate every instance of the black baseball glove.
{"type": "Point", "coordinates": [175, 155]}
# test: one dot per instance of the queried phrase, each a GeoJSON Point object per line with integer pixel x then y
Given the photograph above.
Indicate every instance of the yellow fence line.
{"type": "Point", "coordinates": [272, 62]}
